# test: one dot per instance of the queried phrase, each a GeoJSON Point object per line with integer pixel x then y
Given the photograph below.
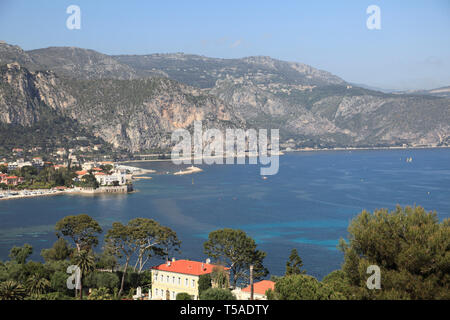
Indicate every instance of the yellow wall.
{"type": "Point", "coordinates": [159, 287]}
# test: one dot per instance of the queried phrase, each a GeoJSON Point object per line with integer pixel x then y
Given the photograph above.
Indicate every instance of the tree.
{"type": "Point", "coordinates": [238, 251]}
{"type": "Point", "coordinates": [409, 245]}
{"type": "Point", "coordinates": [220, 278]}
{"type": "Point", "coordinates": [60, 251]}
{"type": "Point", "coordinates": [37, 285]}
{"type": "Point", "coordinates": [11, 290]}
{"type": "Point", "coordinates": [294, 264]}
{"type": "Point", "coordinates": [217, 294]}
{"type": "Point", "coordinates": [152, 239]}
{"type": "Point", "coordinates": [107, 260]}
{"type": "Point", "coordinates": [204, 283]}
{"type": "Point", "coordinates": [120, 240]}
{"type": "Point", "coordinates": [86, 262]}
{"type": "Point", "coordinates": [301, 287]}
{"type": "Point", "coordinates": [183, 296]}
{"type": "Point", "coordinates": [82, 229]}
{"type": "Point", "coordinates": [20, 254]}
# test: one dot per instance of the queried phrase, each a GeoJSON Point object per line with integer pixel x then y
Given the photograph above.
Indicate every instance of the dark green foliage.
{"type": "Point", "coordinates": [82, 229]}
{"type": "Point", "coordinates": [20, 254]}
{"type": "Point", "coordinates": [204, 283]}
{"type": "Point", "coordinates": [302, 287]}
{"type": "Point", "coordinates": [411, 247]}
{"type": "Point", "coordinates": [238, 250]}
{"type": "Point", "coordinates": [99, 279]}
{"type": "Point", "coordinates": [294, 264]}
{"type": "Point", "coordinates": [61, 250]}
{"type": "Point", "coordinates": [217, 294]}
{"type": "Point", "coordinates": [183, 296]}
{"type": "Point", "coordinates": [11, 290]}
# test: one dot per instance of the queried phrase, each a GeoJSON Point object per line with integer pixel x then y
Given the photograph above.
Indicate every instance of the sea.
{"type": "Point", "coordinates": [307, 205]}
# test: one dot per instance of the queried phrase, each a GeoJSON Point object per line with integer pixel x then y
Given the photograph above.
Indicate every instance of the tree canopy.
{"type": "Point", "coordinates": [236, 249]}
{"type": "Point", "coordinates": [82, 229]}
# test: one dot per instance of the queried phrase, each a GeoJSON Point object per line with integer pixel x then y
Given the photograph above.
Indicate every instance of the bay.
{"type": "Point", "coordinates": [307, 205]}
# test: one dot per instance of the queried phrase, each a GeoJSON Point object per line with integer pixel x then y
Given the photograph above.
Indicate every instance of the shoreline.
{"type": "Point", "coordinates": [282, 152]}
{"type": "Point", "coordinates": [366, 148]}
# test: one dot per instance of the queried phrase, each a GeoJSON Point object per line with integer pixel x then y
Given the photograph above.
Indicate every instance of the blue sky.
{"type": "Point", "coordinates": [411, 51]}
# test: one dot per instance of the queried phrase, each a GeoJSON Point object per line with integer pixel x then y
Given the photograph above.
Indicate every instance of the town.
{"type": "Point", "coordinates": [28, 173]}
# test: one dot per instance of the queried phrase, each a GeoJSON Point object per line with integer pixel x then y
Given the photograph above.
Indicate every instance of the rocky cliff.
{"type": "Point", "coordinates": [134, 102]}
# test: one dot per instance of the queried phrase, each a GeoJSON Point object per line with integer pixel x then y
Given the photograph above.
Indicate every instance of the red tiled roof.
{"type": "Point", "coordinates": [11, 177]}
{"type": "Point", "coordinates": [97, 169]}
{"type": "Point", "coordinates": [261, 287]}
{"type": "Point", "coordinates": [187, 267]}
{"type": "Point", "coordinates": [100, 174]}
{"type": "Point", "coordinates": [81, 173]}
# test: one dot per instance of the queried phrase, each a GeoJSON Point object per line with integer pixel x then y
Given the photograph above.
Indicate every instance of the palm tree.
{"type": "Point", "coordinates": [11, 290]}
{"type": "Point", "coordinates": [37, 284]}
{"type": "Point", "coordinates": [86, 262]}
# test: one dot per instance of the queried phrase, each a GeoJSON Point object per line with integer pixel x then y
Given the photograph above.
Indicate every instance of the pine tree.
{"type": "Point", "coordinates": [294, 264]}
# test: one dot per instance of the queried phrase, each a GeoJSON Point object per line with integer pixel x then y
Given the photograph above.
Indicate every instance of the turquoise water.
{"type": "Point", "coordinates": [307, 205]}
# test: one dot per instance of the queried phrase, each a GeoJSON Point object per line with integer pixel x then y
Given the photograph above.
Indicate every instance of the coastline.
{"type": "Point", "coordinates": [365, 148]}
{"type": "Point", "coordinates": [282, 152]}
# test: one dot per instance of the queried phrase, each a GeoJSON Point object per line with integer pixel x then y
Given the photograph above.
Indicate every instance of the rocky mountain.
{"type": "Point", "coordinates": [129, 114]}
{"type": "Point", "coordinates": [134, 102]}
{"type": "Point", "coordinates": [438, 92]}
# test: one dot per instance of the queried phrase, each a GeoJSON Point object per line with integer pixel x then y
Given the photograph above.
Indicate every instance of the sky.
{"type": "Point", "coordinates": [411, 50]}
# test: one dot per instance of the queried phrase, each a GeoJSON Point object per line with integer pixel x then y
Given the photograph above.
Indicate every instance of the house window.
{"type": "Point", "coordinates": [156, 292]}
{"type": "Point", "coordinates": [187, 282]}
{"type": "Point", "coordinates": [162, 278]}
{"type": "Point", "coordinates": [167, 279]}
{"type": "Point", "coordinates": [193, 283]}
{"type": "Point", "coordinates": [179, 281]}
{"type": "Point", "coordinates": [173, 280]}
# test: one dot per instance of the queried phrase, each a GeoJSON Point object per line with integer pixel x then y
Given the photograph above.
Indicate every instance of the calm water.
{"type": "Point", "coordinates": [307, 205]}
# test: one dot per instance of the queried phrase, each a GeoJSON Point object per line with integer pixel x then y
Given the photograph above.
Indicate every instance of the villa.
{"type": "Point", "coordinates": [178, 276]}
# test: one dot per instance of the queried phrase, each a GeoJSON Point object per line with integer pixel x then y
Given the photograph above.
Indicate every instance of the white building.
{"type": "Point", "coordinates": [108, 179]}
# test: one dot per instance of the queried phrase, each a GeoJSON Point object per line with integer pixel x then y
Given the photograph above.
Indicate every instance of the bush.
{"type": "Point", "coordinates": [100, 294]}
{"type": "Point", "coordinates": [183, 296]}
{"type": "Point", "coordinates": [102, 280]}
{"type": "Point", "coordinates": [217, 294]}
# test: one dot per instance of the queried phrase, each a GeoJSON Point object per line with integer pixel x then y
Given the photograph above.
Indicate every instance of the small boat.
{"type": "Point", "coordinates": [264, 178]}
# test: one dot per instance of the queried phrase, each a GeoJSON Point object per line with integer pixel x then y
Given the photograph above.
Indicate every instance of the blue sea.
{"type": "Point", "coordinates": [307, 205]}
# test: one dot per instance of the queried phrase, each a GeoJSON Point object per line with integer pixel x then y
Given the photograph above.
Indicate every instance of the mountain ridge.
{"type": "Point", "coordinates": [311, 107]}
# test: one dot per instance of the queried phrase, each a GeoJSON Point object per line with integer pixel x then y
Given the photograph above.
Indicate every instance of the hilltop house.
{"type": "Point", "coordinates": [178, 276]}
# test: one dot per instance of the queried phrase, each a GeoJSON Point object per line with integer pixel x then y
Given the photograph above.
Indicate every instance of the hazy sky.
{"type": "Point", "coordinates": [412, 49]}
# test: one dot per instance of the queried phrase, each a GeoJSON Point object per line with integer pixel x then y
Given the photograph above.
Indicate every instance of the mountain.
{"type": "Point", "coordinates": [135, 102]}
{"type": "Point", "coordinates": [204, 72]}
{"type": "Point", "coordinates": [438, 92]}
{"type": "Point", "coordinates": [129, 114]}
